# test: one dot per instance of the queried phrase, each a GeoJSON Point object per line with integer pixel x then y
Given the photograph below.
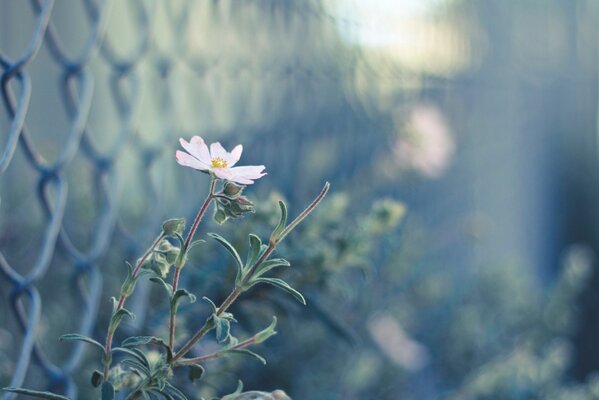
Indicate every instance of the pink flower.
{"type": "Point", "coordinates": [218, 161]}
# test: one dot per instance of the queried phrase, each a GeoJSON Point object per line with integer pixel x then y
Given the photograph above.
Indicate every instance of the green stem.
{"type": "Point", "coordinates": [177, 275]}
{"type": "Point", "coordinates": [274, 241]}
{"type": "Point", "coordinates": [121, 303]}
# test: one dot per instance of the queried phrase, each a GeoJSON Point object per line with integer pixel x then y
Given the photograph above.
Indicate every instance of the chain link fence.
{"type": "Point", "coordinates": [95, 94]}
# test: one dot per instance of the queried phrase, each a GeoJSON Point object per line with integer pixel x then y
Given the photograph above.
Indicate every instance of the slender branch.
{"type": "Point", "coordinates": [177, 274]}
{"type": "Point", "coordinates": [272, 244]}
{"type": "Point", "coordinates": [123, 297]}
{"type": "Point", "coordinates": [216, 354]}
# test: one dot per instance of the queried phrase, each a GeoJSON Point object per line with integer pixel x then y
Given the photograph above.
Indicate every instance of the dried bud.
{"type": "Point", "coordinates": [169, 251]}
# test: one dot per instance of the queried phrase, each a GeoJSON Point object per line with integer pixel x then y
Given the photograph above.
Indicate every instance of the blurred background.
{"type": "Point", "coordinates": [454, 257]}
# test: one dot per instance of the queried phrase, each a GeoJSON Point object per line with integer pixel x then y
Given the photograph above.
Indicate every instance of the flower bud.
{"type": "Point", "coordinates": [231, 189]}
{"type": "Point", "coordinates": [173, 226]}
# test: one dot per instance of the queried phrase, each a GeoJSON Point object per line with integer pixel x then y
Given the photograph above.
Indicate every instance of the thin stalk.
{"type": "Point", "coordinates": [123, 297]}
{"type": "Point", "coordinates": [212, 356]}
{"type": "Point", "coordinates": [177, 274]}
{"type": "Point", "coordinates": [239, 289]}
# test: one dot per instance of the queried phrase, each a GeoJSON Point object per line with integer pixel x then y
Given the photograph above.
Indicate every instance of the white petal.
{"type": "Point", "coordinates": [198, 149]}
{"type": "Point", "coordinates": [217, 150]}
{"type": "Point", "coordinates": [222, 173]}
{"type": "Point", "coordinates": [243, 181]}
{"type": "Point", "coordinates": [235, 155]}
{"type": "Point", "coordinates": [189, 161]}
{"type": "Point", "coordinates": [247, 173]}
{"type": "Point", "coordinates": [202, 147]}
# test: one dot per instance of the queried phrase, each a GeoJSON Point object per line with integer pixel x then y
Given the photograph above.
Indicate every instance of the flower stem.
{"type": "Point", "coordinates": [123, 297]}
{"type": "Point", "coordinates": [177, 274]}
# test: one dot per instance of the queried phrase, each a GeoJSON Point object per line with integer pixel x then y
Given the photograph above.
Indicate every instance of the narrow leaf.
{"type": "Point", "coordinates": [118, 317]}
{"type": "Point", "coordinates": [195, 372]}
{"type": "Point", "coordinates": [267, 332]}
{"type": "Point", "coordinates": [135, 341]}
{"type": "Point", "coordinates": [255, 250]}
{"type": "Point", "coordinates": [270, 264]}
{"type": "Point", "coordinates": [178, 295]}
{"type": "Point", "coordinates": [36, 393]}
{"type": "Point", "coordinates": [282, 285]}
{"type": "Point", "coordinates": [223, 327]}
{"type": "Point", "coordinates": [247, 353]}
{"type": "Point", "coordinates": [166, 286]}
{"type": "Point", "coordinates": [173, 391]}
{"type": "Point", "coordinates": [87, 339]}
{"type": "Point", "coordinates": [282, 221]}
{"type": "Point", "coordinates": [211, 303]}
{"type": "Point", "coordinates": [229, 248]}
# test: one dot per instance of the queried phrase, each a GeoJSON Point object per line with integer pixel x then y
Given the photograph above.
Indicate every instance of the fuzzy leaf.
{"type": "Point", "coordinates": [36, 393]}
{"type": "Point", "coordinates": [282, 285]}
{"type": "Point", "coordinates": [247, 353]}
{"type": "Point", "coordinates": [135, 353]}
{"type": "Point", "coordinates": [255, 250]}
{"type": "Point", "coordinates": [223, 327]}
{"type": "Point", "coordinates": [107, 391]}
{"type": "Point", "coordinates": [87, 339]}
{"type": "Point", "coordinates": [167, 286]}
{"type": "Point", "coordinates": [229, 248]}
{"type": "Point", "coordinates": [135, 341]}
{"type": "Point", "coordinates": [211, 303]}
{"type": "Point", "coordinates": [174, 392]}
{"type": "Point", "coordinates": [195, 372]}
{"type": "Point", "coordinates": [282, 221]}
{"type": "Point", "coordinates": [195, 243]}
{"type": "Point", "coordinates": [178, 295]}
{"type": "Point", "coordinates": [118, 317]}
{"type": "Point", "coordinates": [270, 264]}
{"type": "Point", "coordinates": [267, 332]}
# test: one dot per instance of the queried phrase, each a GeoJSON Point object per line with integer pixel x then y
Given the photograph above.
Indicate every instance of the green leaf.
{"type": "Point", "coordinates": [138, 366]}
{"type": "Point", "coordinates": [223, 327]}
{"type": "Point", "coordinates": [87, 339]}
{"type": "Point", "coordinates": [174, 392]}
{"type": "Point", "coordinates": [107, 391]}
{"type": "Point", "coordinates": [178, 295]}
{"type": "Point", "coordinates": [255, 250]}
{"type": "Point", "coordinates": [96, 378]}
{"type": "Point", "coordinates": [135, 353]}
{"type": "Point", "coordinates": [247, 353]}
{"type": "Point", "coordinates": [195, 243]}
{"type": "Point", "coordinates": [195, 372]}
{"type": "Point", "coordinates": [167, 286]}
{"type": "Point", "coordinates": [282, 285]}
{"type": "Point", "coordinates": [118, 317]}
{"type": "Point", "coordinates": [270, 264]}
{"type": "Point", "coordinates": [211, 303]}
{"type": "Point", "coordinates": [135, 341]}
{"type": "Point", "coordinates": [229, 248]}
{"type": "Point", "coordinates": [237, 391]}
{"type": "Point", "coordinates": [282, 221]}
{"type": "Point", "coordinates": [267, 332]}
{"type": "Point", "coordinates": [36, 393]}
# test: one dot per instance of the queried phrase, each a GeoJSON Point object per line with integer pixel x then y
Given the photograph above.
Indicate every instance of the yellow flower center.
{"type": "Point", "coordinates": [218, 162]}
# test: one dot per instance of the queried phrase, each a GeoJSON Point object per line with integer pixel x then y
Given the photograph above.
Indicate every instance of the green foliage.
{"type": "Point", "coordinates": [144, 366]}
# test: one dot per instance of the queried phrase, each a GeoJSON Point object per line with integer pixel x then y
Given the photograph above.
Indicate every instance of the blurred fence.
{"type": "Point", "coordinates": [130, 81]}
